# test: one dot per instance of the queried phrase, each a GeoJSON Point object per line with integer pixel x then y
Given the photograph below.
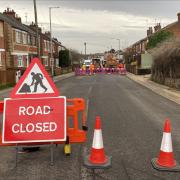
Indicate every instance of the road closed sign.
{"type": "Point", "coordinates": [34, 120]}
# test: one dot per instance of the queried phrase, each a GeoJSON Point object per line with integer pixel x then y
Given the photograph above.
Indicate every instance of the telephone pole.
{"type": "Point", "coordinates": [51, 58]}
{"type": "Point", "coordinates": [37, 32]}
{"type": "Point", "coordinates": [85, 49]}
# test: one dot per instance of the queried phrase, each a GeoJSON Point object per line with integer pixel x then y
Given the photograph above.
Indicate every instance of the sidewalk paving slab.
{"type": "Point", "coordinates": [165, 91]}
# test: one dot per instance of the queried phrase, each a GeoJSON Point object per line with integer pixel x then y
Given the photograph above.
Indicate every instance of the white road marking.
{"type": "Point", "coordinates": [84, 171]}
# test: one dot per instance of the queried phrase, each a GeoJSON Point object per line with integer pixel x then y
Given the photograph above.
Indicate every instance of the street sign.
{"type": "Point", "coordinates": [34, 120]}
{"type": "Point", "coordinates": [35, 82]}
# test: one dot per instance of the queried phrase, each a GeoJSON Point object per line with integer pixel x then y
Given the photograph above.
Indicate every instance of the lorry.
{"type": "Point", "coordinates": [111, 61]}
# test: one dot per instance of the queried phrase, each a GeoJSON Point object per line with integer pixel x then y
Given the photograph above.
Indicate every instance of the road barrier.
{"type": "Point", "coordinates": [74, 134]}
{"type": "Point", "coordinates": [166, 161]}
{"type": "Point", "coordinates": [80, 71]}
{"type": "Point", "coordinates": [36, 114]}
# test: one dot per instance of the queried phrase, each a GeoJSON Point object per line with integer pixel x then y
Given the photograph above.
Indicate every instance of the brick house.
{"type": "Point", "coordinates": [19, 43]}
{"type": "Point", "coordinates": [18, 47]}
{"type": "Point", "coordinates": [45, 50]}
{"type": "Point", "coordinates": [2, 46]}
{"type": "Point", "coordinates": [138, 60]}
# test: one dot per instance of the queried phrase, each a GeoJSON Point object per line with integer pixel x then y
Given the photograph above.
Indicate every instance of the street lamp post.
{"type": "Point", "coordinates": [37, 33]}
{"type": "Point", "coordinates": [51, 56]}
{"type": "Point", "coordinates": [85, 49]}
{"type": "Point", "coordinates": [119, 48]}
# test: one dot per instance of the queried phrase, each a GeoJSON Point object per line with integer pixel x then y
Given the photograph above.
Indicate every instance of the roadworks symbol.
{"type": "Point", "coordinates": [35, 83]}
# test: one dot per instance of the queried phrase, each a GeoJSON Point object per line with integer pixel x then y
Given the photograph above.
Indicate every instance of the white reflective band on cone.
{"type": "Point", "coordinates": [97, 139]}
{"type": "Point", "coordinates": [166, 144]}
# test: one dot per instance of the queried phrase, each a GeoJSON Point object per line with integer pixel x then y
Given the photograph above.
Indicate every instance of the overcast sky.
{"type": "Point", "coordinates": [97, 22]}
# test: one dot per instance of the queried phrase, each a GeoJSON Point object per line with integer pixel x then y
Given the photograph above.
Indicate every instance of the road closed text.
{"type": "Point", "coordinates": [34, 120]}
{"type": "Point", "coordinates": [38, 127]}
{"type": "Point", "coordinates": [34, 127]}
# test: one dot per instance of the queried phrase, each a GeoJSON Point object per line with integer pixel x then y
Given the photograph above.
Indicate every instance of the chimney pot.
{"type": "Point", "coordinates": [178, 17]}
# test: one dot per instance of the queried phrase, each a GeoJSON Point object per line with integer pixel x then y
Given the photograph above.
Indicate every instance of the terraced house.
{"type": "Point", "coordinates": [137, 56]}
{"type": "Point", "coordinates": [18, 47]}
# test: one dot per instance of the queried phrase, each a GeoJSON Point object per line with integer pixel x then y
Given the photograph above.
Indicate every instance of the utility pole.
{"type": "Point", "coordinates": [37, 32]}
{"type": "Point", "coordinates": [51, 58]}
{"type": "Point", "coordinates": [85, 49]}
{"type": "Point", "coordinates": [119, 48]}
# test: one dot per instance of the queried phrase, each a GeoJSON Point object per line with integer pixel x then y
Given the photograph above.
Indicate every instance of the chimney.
{"type": "Point", "coordinates": [48, 33]}
{"type": "Point", "coordinates": [18, 18]}
{"type": "Point", "coordinates": [157, 27]}
{"type": "Point", "coordinates": [10, 13]}
{"type": "Point", "coordinates": [178, 17]}
{"type": "Point", "coordinates": [149, 31]}
{"type": "Point", "coordinates": [33, 27]}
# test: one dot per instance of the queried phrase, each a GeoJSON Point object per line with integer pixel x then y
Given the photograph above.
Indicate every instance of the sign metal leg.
{"type": "Point", "coordinates": [93, 174]}
{"type": "Point", "coordinates": [16, 157]}
{"type": "Point", "coordinates": [52, 154]}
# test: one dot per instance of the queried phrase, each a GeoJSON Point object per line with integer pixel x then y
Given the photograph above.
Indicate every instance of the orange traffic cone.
{"type": "Point", "coordinates": [166, 160]}
{"type": "Point", "coordinates": [97, 157]}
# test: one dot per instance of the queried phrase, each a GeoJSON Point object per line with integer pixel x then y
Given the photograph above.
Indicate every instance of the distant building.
{"type": "Point", "coordinates": [137, 58]}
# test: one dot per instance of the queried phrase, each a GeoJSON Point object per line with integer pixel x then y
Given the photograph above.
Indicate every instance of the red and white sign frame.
{"type": "Point", "coordinates": [31, 141]}
{"type": "Point", "coordinates": [22, 79]}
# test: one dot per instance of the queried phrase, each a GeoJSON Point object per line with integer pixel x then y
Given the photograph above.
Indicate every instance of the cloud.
{"type": "Point", "coordinates": [96, 22]}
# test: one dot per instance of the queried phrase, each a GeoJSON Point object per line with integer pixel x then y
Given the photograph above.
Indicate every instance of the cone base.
{"type": "Point", "coordinates": [90, 165]}
{"type": "Point", "coordinates": [155, 165]}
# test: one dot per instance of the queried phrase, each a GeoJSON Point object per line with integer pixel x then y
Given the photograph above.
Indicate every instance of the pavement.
{"type": "Point", "coordinates": [165, 91]}
{"type": "Point", "coordinates": [132, 122]}
{"type": "Point", "coordinates": [5, 93]}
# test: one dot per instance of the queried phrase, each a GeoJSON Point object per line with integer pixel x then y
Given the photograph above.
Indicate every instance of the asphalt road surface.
{"type": "Point", "coordinates": [132, 122]}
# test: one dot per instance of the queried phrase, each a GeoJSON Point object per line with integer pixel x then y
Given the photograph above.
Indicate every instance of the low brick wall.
{"type": "Point", "coordinates": [7, 77]}
{"type": "Point", "coordinates": [138, 71]}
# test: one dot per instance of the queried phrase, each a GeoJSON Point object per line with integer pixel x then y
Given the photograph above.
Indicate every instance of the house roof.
{"type": "Point", "coordinates": [164, 28]}
{"type": "Point", "coordinates": [170, 25]}
{"type": "Point", "coordinates": [14, 23]}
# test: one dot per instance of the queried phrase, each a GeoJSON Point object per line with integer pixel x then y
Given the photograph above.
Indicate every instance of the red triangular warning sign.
{"type": "Point", "coordinates": [35, 82]}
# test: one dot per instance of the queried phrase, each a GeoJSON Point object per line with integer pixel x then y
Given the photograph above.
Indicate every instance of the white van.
{"type": "Point", "coordinates": [87, 62]}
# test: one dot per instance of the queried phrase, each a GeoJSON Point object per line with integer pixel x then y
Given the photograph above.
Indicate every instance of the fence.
{"type": "Point", "coordinates": [7, 77]}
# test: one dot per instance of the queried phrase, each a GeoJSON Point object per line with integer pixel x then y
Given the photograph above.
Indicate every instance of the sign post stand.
{"type": "Point", "coordinates": [16, 157]}
{"type": "Point", "coordinates": [38, 111]}
{"type": "Point", "coordinates": [52, 153]}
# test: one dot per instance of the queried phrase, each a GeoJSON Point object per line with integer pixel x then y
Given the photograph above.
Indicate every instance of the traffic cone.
{"type": "Point", "coordinates": [166, 160]}
{"type": "Point", "coordinates": [97, 157]}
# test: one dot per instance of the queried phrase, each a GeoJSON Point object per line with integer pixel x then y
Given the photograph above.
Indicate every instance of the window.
{"type": "Point", "coordinates": [24, 38]}
{"type": "Point", "coordinates": [57, 62]}
{"type": "Point", "coordinates": [48, 46]}
{"type": "Point", "coordinates": [44, 45]}
{"type": "Point", "coordinates": [1, 29]}
{"type": "Point", "coordinates": [28, 39]}
{"type": "Point", "coordinates": [20, 61]}
{"type": "Point", "coordinates": [0, 59]}
{"type": "Point", "coordinates": [46, 61]}
{"type": "Point", "coordinates": [18, 37]}
{"type": "Point", "coordinates": [33, 40]}
{"type": "Point", "coordinates": [53, 47]}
